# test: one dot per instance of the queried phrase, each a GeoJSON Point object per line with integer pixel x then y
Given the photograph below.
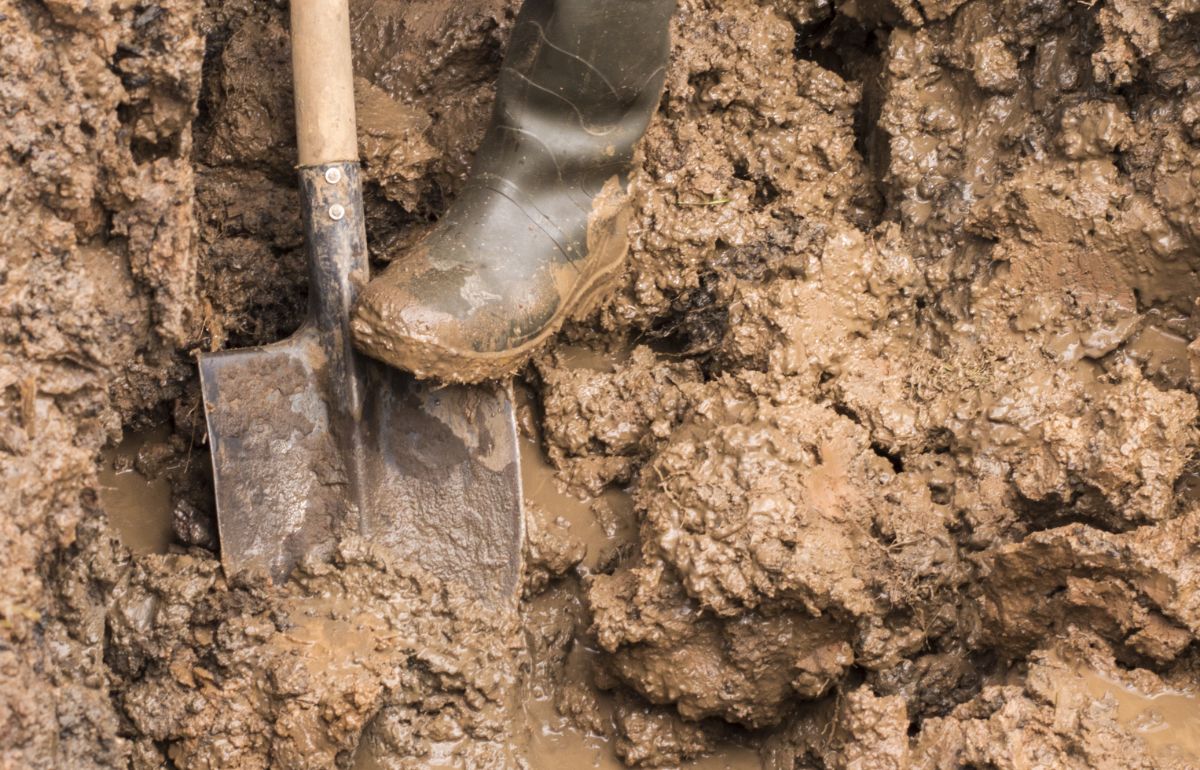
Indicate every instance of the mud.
{"type": "Point", "coordinates": [884, 455]}
{"type": "Point", "coordinates": [138, 506]}
{"type": "Point", "coordinates": [1167, 721]}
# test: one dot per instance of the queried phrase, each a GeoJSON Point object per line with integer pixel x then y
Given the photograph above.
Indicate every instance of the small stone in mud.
{"type": "Point", "coordinates": [193, 527]}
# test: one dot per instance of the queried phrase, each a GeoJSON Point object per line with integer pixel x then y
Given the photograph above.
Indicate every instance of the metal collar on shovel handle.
{"type": "Point", "coordinates": [312, 442]}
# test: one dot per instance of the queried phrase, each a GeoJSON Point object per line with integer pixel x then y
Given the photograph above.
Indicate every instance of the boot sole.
{"type": "Point", "coordinates": [433, 362]}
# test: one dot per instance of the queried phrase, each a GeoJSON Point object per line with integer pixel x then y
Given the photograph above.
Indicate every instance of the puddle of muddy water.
{"type": "Point", "coordinates": [556, 744]}
{"type": "Point", "coordinates": [1169, 721]}
{"type": "Point", "coordinates": [138, 508]}
{"type": "Point", "coordinates": [552, 741]}
{"type": "Point", "coordinates": [602, 523]}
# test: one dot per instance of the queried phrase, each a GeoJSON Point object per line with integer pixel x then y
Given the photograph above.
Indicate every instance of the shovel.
{"type": "Point", "coordinates": [312, 442]}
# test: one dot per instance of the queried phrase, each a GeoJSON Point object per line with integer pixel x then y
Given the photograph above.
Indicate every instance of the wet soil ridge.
{"type": "Point", "coordinates": [901, 381]}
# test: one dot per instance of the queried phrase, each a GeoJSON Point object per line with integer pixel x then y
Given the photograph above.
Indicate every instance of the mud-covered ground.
{"type": "Point", "coordinates": [887, 445]}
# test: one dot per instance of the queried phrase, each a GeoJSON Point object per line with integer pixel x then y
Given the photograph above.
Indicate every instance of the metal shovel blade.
{"type": "Point", "coordinates": [311, 442]}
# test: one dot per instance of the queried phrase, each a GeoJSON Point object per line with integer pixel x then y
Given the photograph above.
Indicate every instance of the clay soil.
{"type": "Point", "coordinates": [884, 456]}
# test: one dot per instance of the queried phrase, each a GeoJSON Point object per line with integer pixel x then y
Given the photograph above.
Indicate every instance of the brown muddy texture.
{"type": "Point", "coordinates": [136, 496]}
{"type": "Point", "coordinates": [883, 456]}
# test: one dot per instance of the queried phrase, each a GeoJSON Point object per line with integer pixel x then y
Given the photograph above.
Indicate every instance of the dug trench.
{"type": "Point", "coordinates": [884, 455]}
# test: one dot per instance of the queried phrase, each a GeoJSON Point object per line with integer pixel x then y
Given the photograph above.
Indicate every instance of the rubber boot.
{"type": "Point", "coordinates": [538, 235]}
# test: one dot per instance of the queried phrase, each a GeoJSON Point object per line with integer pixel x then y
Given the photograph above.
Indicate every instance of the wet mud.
{"type": "Point", "coordinates": [883, 454]}
{"type": "Point", "coordinates": [138, 505]}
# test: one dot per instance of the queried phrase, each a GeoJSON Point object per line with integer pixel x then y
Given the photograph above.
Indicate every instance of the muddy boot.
{"type": "Point", "coordinates": [539, 233]}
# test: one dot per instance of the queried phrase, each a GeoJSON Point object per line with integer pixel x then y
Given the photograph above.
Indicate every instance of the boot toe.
{"type": "Point", "coordinates": [391, 323]}
{"type": "Point", "coordinates": [380, 325]}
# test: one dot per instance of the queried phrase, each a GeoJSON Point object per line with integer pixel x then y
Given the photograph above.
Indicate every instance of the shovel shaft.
{"type": "Point", "coordinates": [332, 210]}
{"type": "Point", "coordinates": [324, 81]}
{"type": "Point", "coordinates": [330, 188]}
{"type": "Point", "coordinates": [336, 240]}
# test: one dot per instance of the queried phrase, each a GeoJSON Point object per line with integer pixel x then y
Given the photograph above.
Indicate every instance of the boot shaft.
{"type": "Point", "coordinates": [580, 82]}
{"type": "Point", "coordinates": [602, 55]}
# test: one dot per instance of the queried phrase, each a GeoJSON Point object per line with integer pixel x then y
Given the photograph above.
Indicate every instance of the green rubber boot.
{"type": "Point", "coordinates": [539, 233]}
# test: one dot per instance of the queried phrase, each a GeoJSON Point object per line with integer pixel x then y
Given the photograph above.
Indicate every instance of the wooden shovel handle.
{"type": "Point", "coordinates": [324, 82]}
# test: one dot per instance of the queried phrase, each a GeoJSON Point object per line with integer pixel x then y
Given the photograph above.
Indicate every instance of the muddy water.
{"type": "Point", "coordinates": [1168, 721]}
{"type": "Point", "coordinates": [553, 742]}
{"type": "Point", "coordinates": [139, 508]}
{"type": "Point", "coordinates": [602, 523]}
